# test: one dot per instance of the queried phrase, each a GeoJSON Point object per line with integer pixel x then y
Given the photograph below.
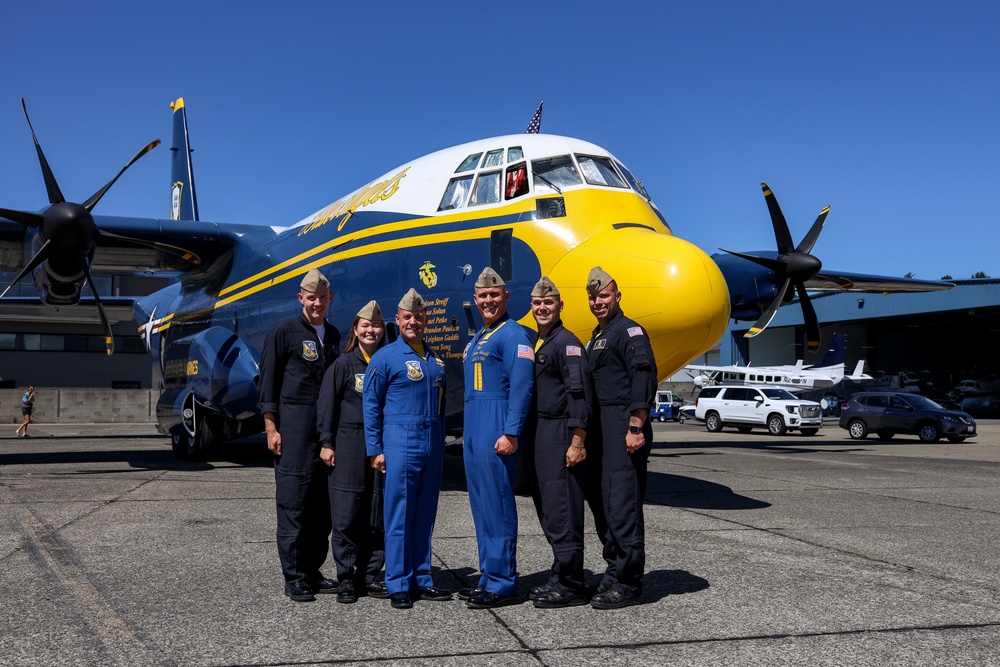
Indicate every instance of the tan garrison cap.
{"type": "Point", "coordinates": [371, 312]}
{"type": "Point", "coordinates": [489, 278]}
{"type": "Point", "coordinates": [314, 282]}
{"type": "Point", "coordinates": [545, 287]}
{"type": "Point", "coordinates": [412, 301]}
{"type": "Point", "coordinates": [597, 280]}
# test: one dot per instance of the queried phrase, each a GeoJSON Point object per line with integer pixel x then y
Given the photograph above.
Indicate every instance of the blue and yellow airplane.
{"type": "Point", "coordinates": [526, 204]}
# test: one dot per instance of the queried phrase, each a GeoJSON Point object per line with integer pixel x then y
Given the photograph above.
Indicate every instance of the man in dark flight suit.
{"type": "Point", "coordinates": [556, 430]}
{"type": "Point", "coordinates": [293, 359]}
{"type": "Point", "coordinates": [624, 372]}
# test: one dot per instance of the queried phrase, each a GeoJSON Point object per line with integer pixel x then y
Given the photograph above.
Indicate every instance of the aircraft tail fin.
{"type": "Point", "coordinates": [835, 354]}
{"type": "Point", "coordinates": [859, 372]}
{"type": "Point", "coordinates": [183, 202]}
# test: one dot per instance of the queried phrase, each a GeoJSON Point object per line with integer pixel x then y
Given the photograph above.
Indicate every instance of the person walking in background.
{"type": "Point", "coordinates": [357, 532]}
{"type": "Point", "coordinates": [27, 404]}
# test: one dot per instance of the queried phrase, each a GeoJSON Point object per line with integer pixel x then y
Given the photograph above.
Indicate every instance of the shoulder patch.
{"type": "Point", "coordinates": [525, 352]}
{"type": "Point", "coordinates": [634, 331]}
{"type": "Point", "coordinates": [573, 351]}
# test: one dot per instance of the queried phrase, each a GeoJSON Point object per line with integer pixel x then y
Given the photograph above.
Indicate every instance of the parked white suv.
{"type": "Point", "coordinates": [746, 408]}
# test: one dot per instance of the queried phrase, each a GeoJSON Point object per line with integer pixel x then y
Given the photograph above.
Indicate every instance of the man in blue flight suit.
{"type": "Point", "coordinates": [499, 374]}
{"type": "Point", "coordinates": [293, 359]}
{"type": "Point", "coordinates": [556, 432]}
{"type": "Point", "coordinates": [624, 372]}
{"type": "Point", "coordinates": [404, 389]}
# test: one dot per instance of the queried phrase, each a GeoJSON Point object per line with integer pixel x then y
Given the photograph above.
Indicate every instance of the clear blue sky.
{"type": "Point", "coordinates": [886, 111]}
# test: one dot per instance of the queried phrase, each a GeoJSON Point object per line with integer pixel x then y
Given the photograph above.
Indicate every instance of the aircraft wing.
{"type": "Point", "coordinates": [832, 281]}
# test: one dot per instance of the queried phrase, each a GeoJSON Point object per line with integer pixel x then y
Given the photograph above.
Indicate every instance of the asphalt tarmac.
{"type": "Point", "coordinates": [760, 551]}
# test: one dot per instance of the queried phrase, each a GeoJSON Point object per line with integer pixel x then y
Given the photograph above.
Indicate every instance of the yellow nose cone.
{"type": "Point", "coordinates": [669, 286]}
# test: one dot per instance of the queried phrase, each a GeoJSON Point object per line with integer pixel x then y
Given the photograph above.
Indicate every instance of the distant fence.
{"type": "Point", "coordinates": [81, 405]}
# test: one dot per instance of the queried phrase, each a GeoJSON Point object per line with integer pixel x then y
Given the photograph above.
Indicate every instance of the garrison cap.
{"type": "Point", "coordinates": [412, 301]}
{"type": "Point", "coordinates": [597, 280]}
{"type": "Point", "coordinates": [489, 278]}
{"type": "Point", "coordinates": [545, 287]}
{"type": "Point", "coordinates": [314, 281]}
{"type": "Point", "coordinates": [371, 312]}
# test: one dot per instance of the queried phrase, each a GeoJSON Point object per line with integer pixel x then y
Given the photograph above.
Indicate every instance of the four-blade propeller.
{"type": "Point", "coordinates": [68, 232]}
{"type": "Point", "coordinates": [793, 267]}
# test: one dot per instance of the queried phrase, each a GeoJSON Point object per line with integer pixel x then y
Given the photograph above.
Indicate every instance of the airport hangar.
{"type": "Point", "coordinates": [955, 332]}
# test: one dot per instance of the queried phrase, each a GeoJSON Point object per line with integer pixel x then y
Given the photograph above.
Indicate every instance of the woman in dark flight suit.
{"type": "Point", "coordinates": [358, 537]}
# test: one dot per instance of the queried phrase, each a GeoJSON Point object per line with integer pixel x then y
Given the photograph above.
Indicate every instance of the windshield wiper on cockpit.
{"type": "Point", "coordinates": [548, 182]}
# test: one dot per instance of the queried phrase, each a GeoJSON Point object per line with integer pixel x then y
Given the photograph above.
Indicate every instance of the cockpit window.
{"type": "Point", "coordinates": [514, 153]}
{"type": "Point", "coordinates": [517, 181]}
{"type": "Point", "coordinates": [487, 188]}
{"type": "Point", "coordinates": [636, 185]}
{"type": "Point", "coordinates": [600, 171]}
{"type": "Point", "coordinates": [457, 192]}
{"type": "Point", "coordinates": [556, 171]}
{"type": "Point", "coordinates": [469, 163]}
{"type": "Point", "coordinates": [493, 158]}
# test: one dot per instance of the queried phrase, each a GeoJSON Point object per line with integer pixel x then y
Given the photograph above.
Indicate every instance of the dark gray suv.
{"type": "Point", "coordinates": [889, 413]}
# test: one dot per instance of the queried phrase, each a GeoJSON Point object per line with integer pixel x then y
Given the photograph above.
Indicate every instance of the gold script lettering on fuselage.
{"type": "Point", "coordinates": [346, 207]}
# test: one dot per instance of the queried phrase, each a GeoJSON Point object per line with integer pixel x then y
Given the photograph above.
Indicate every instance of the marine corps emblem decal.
{"type": "Point", "coordinates": [427, 274]}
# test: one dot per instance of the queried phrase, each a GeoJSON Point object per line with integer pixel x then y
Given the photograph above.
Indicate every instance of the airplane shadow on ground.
{"type": "Point", "coordinates": [248, 452]}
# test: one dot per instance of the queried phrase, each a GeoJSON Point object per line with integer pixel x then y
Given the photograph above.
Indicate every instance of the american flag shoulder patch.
{"type": "Point", "coordinates": [525, 352]}
{"type": "Point", "coordinates": [634, 331]}
{"type": "Point", "coordinates": [573, 351]}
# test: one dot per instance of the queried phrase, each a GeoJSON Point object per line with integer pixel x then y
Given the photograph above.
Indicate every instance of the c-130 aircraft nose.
{"type": "Point", "coordinates": [669, 286]}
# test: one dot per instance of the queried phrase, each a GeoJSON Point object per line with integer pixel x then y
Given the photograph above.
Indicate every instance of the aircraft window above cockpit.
{"type": "Point", "coordinates": [600, 171]}
{"type": "Point", "coordinates": [487, 190]}
{"type": "Point", "coordinates": [555, 172]}
{"type": "Point", "coordinates": [514, 153]}
{"type": "Point", "coordinates": [517, 181]}
{"type": "Point", "coordinates": [469, 163]}
{"type": "Point", "coordinates": [457, 192]}
{"type": "Point", "coordinates": [493, 158]}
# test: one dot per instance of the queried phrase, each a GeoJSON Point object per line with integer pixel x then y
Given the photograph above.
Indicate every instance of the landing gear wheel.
{"type": "Point", "coordinates": [201, 443]}
{"type": "Point", "coordinates": [776, 425]}
{"type": "Point", "coordinates": [178, 444]}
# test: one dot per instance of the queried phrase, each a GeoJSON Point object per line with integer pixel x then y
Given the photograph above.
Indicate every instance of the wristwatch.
{"type": "Point", "coordinates": [634, 430]}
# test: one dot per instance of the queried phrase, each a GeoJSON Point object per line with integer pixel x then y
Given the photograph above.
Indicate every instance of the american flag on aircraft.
{"type": "Point", "coordinates": [535, 126]}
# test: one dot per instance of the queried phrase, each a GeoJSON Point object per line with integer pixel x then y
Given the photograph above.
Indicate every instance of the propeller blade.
{"type": "Point", "coordinates": [781, 233]}
{"type": "Point", "coordinates": [776, 265]}
{"type": "Point", "coordinates": [156, 245]}
{"type": "Point", "coordinates": [109, 339]}
{"type": "Point", "coordinates": [55, 194]}
{"type": "Point", "coordinates": [768, 314]}
{"type": "Point", "coordinates": [813, 335]}
{"type": "Point", "coordinates": [40, 256]}
{"type": "Point", "coordinates": [23, 217]}
{"type": "Point", "coordinates": [807, 243]}
{"type": "Point", "coordinates": [96, 197]}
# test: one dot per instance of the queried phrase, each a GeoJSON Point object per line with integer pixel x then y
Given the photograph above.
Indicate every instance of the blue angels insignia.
{"type": "Point", "coordinates": [309, 352]}
{"type": "Point", "coordinates": [414, 371]}
{"type": "Point", "coordinates": [359, 382]}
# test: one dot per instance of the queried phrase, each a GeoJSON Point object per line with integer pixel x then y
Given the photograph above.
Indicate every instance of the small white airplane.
{"type": "Point", "coordinates": [795, 378]}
